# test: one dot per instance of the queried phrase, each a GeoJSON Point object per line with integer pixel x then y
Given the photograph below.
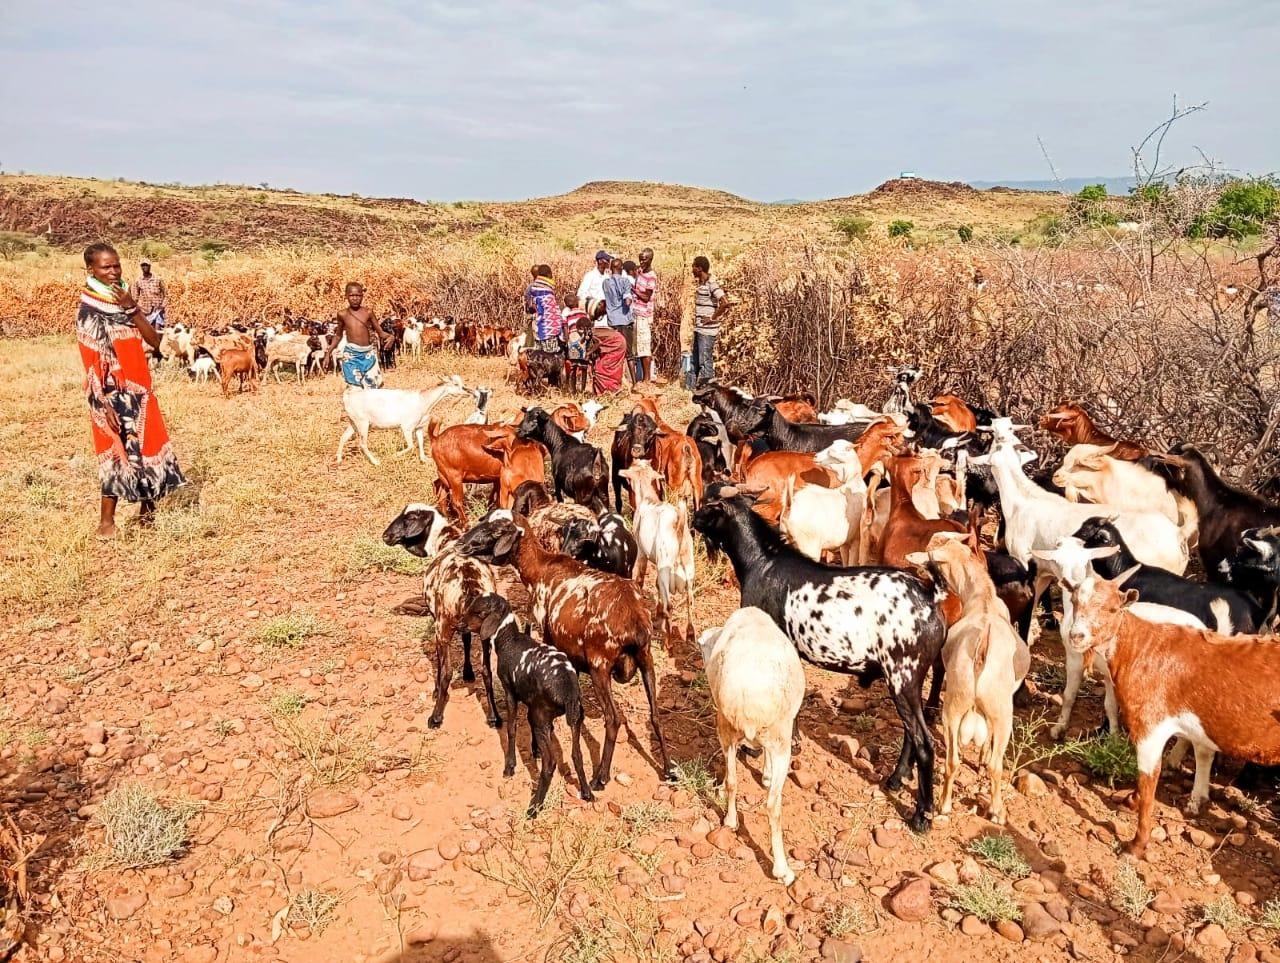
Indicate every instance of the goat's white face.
{"type": "Point", "coordinates": [837, 454]}
{"type": "Point", "coordinates": [707, 642]}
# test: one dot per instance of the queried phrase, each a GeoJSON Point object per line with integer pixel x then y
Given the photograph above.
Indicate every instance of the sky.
{"type": "Point", "coordinates": [504, 99]}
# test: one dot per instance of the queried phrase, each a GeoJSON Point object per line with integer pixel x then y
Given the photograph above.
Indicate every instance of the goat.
{"type": "Point", "coordinates": [413, 337]}
{"type": "Point", "coordinates": [202, 368]}
{"type": "Point", "coordinates": [529, 497]}
{"type": "Point", "coordinates": [597, 619]}
{"type": "Point", "coordinates": [622, 451]}
{"type": "Point", "coordinates": [538, 676]}
{"type": "Point", "coordinates": [907, 529]}
{"type": "Point", "coordinates": [783, 435]}
{"type": "Point", "coordinates": [467, 455]}
{"type": "Point", "coordinates": [572, 420]}
{"type": "Point", "coordinates": [1089, 473]}
{"type": "Point", "coordinates": [577, 469]}
{"type": "Point", "coordinates": [367, 408]}
{"type": "Point", "coordinates": [673, 453]}
{"type": "Point", "coordinates": [481, 415]}
{"type": "Point", "coordinates": [797, 408]}
{"type": "Point", "coordinates": [663, 537]}
{"type": "Point", "coordinates": [871, 622]}
{"type": "Point", "coordinates": [237, 363]}
{"type": "Point", "coordinates": [708, 434]}
{"type": "Point", "coordinates": [1224, 511]}
{"type": "Point", "coordinates": [1222, 694]}
{"type": "Point", "coordinates": [287, 349]}
{"type": "Point", "coordinates": [1073, 425]}
{"type": "Point", "coordinates": [519, 462]}
{"type": "Point", "coordinates": [1226, 610]}
{"type": "Point", "coordinates": [1254, 569]}
{"type": "Point", "coordinates": [757, 686]}
{"type": "Point", "coordinates": [986, 660]}
{"type": "Point", "coordinates": [818, 519]}
{"type": "Point", "coordinates": [738, 412]}
{"type": "Point", "coordinates": [539, 367]}
{"type": "Point", "coordinates": [604, 543]}
{"type": "Point", "coordinates": [450, 583]}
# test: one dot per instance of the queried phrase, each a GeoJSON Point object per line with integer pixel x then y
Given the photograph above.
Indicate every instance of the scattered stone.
{"type": "Point", "coordinates": [885, 837]}
{"type": "Point", "coordinates": [913, 900]}
{"type": "Point", "coordinates": [449, 848]}
{"type": "Point", "coordinates": [1156, 936]}
{"type": "Point", "coordinates": [1214, 936]}
{"type": "Point", "coordinates": [224, 905]}
{"type": "Point", "coordinates": [402, 813]}
{"type": "Point", "coordinates": [1166, 904]}
{"type": "Point", "coordinates": [328, 803]}
{"type": "Point", "coordinates": [94, 733]}
{"type": "Point", "coordinates": [423, 864]}
{"type": "Point", "coordinates": [253, 681]}
{"type": "Point", "coordinates": [722, 838]}
{"type": "Point", "coordinates": [1037, 924]}
{"type": "Point", "coordinates": [1010, 930]}
{"type": "Point", "coordinates": [972, 926]}
{"type": "Point", "coordinates": [945, 873]}
{"type": "Point", "coordinates": [838, 951]}
{"type": "Point", "coordinates": [804, 779]}
{"type": "Point", "coordinates": [1200, 839]}
{"type": "Point", "coordinates": [175, 888]}
{"type": "Point", "coordinates": [122, 906]}
{"type": "Point", "coordinates": [1030, 785]}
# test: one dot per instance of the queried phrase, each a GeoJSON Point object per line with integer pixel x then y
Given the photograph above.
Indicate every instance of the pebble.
{"type": "Point", "coordinates": [1010, 930]}
{"type": "Point", "coordinates": [1037, 924]}
{"type": "Point", "coordinates": [972, 926]}
{"type": "Point", "coordinates": [1213, 935]}
{"type": "Point", "coordinates": [328, 803]}
{"type": "Point", "coordinates": [122, 906]}
{"type": "Point", "coordinates": [945, 873]}
{"type": "Point", "coordinates": [804, 779]}
{"type": "Point", "coordinates": [449, 849]}
{"type": "Point", "coordinates": [423, 864]}
{"type": "Point", "coordinates": [402, 813]}
{"type": "Point", "coordinates": [838, 951]}
{"type": "Point", "coordinates": [913, 900]}
{"type": "Point", "coordinates": [886, 838]}
{"type": "Point", "coordinates": [723, 838]}
{"type": "Point", "coordinates": [224, 905]}
{"type": "Point", "coordinates": [1030, 785]}
{"type": "Point", "coordinates": [94, 733]}
{"type": "Point", "coordinates": [253, 681]}
{"type": "Point", "coordinates": [175, 888]}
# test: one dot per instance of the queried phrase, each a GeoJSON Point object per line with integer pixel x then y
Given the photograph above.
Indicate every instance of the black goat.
{"type": "Point", "coordinates": [708, 434]}
{"type": "Point", "coordinates": [528, 496]}
{"type": "Point", "coordinates": [869, 622]}
{"type": "Point", "coordinates": [739, 413]}
{"type": "Point", "coordinates": [603, 543]}
{"type": "Point", "coordinates": [1226, 512]}
{"type": "Point", "coordinates": [541, 367]}
{"type": "Point", "coordinates": [1254, 569]}
{"type": "Point", "coordinates": [621, 454]}
{"type": "Point", "coordinates": [784, 435]}
{"type": "Point", "coordinates": [541, 677]}
{"type": "Point", "coordinates": [1226, 611]}
{"type": "Point", "coordinates": [578, 469]}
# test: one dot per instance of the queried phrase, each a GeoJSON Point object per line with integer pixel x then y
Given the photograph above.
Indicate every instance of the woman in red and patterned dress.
{"type": "Point", "coordinates": [135, 460]}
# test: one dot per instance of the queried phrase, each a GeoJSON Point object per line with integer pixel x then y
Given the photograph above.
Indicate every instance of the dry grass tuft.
{"type": "Point", "coordinates": [1129, 893]}
{"type": "Point", "coordinates": [141, 830]}
{"type": "Point", "coordinates": [315, 908]}
{"type": "Point", "coordinates": [987, 899]}
{"type": "Point", "coordinates": [291, 630]}
{"type": "Point", "coordinates": [1001, 853]}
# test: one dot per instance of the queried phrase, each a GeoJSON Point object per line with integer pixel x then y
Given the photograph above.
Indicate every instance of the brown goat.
{"type": "Point", "coordinates": [674, 454]}
{"type": "Point", "coordinates": [907, 530]}
{"type": "Point", "coordinates": [571, 418]}
{"type": "Point", "coordinates": [238, 362]}
{"type": "Point", "coordinates": [462, 458]}
{"type": "Point", "coordinates": [1073, 425]}
{"type": "Point", "coordinates": [597, 619]}
{"type": "Point", "coordinates": [521, 461]}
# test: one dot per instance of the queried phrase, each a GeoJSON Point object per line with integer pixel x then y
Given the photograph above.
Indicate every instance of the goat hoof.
{"type": "Point", "coordinates": [920, 823]}
{"type": "Point", "coordinates": [1194, 805]}
{"type": "Point", "coordinates": [468, 674]}
{"type": "Point", "coordinates": [599, 783]}
{"type": "Point", "coordinates": [508, 772]}
{"type": "Point", "coordinates": [495, 722]}
{"type": "Point", "coordinates": [587, 795]}
{"type": "Point", "coordinates": [1134, 848]}
{"type": "Point", "coordinates": [435, 722]}
{"type": "Point", "coordinates": [670, 775]}
{"type": "Point", "coordinates": [786, 877]}
{"type": "Point", "coordinates": [893, 783]}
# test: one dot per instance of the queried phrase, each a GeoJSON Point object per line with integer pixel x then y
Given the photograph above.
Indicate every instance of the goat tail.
{"type": "Point", "coordinates": [973, 729]}
{"type": "Point", "coordinates": [573, 711]}
{"type": "Point", "coordinates": [433, 427]}
{"type": "Point", "coordinates": [624, 670]}
{"type": "Point", "coordinates": [980, 656]}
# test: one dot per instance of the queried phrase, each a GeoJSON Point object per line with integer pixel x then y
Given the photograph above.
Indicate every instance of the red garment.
{"type": "Point", "coordinates": [613, 358]}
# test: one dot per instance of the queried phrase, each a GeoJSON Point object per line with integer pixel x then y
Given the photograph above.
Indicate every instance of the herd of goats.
{"type": "Point", "coordinates": [861, 541]}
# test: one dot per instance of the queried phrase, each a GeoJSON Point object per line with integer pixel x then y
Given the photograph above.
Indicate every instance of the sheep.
{"type": "Point", "coordinates": [757, 686]}
{"type": "Point", "coordinates": [366, 408]}
{"type": "Point", "coordinates": [663, 537]}
{"type": "Point", "coordinates": [540, 677]}
{"type": "Point", "coordinates": [986, 660]}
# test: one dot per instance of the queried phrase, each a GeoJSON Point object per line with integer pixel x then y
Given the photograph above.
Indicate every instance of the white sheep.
{"type": "Point", "coordinates": [367, 408]}
{"type": "Point", "coordinates": [757, 685]}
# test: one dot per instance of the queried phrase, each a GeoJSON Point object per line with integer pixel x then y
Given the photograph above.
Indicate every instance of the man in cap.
{"type": "Point", "coordinates": [150, 294]}
{"type": "Point", "coordinates": [591, 290]}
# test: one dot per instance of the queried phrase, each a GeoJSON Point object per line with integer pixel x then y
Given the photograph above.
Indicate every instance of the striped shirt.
{"type": "Point", "coordinates": [706, 298]}
{"type": "Point", "coordinates": [643, 292]}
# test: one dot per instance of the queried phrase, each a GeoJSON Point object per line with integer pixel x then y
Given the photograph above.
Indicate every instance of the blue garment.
{"type": "Point", "coordinates": [360, 366]}
{"type": "Point", "coordinates": [617, 294]}
{"type": "Point", "coordinates": [702, 367]}
{"type": "Point", "coordinates": [547, 321]}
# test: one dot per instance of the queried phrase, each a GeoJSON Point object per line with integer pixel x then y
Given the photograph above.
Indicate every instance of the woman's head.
{"type": "Point", "coordinates": [102, 262]}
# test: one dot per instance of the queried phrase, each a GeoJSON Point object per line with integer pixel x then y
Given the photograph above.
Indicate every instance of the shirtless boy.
{"type": "Point", "coordinates": [360, 355]}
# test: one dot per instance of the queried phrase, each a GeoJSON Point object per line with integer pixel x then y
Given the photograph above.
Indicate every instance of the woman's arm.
{"type": "Point", "coordinates": [126, 301]}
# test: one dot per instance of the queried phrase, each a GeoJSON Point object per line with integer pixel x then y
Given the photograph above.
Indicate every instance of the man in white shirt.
{"type": "Point", "coordinates": [591, 290]}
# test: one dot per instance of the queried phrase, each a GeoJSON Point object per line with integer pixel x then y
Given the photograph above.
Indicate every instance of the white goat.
{"type": "Point", "coordinates": [287, 349]}
{"type": "Point", "coordinates": [818, 519]}
{"type": "Point", "coordinates": [592, 410]}
{"type": "Point", "coordinates": [1070, 562]}
{"type": "Point", "coordinates": [663, 537]}
{"type": "Point", "coordinates": [367, 408]}
{"type": "Point", "coordinates": [202, 369]}
{"type": "Point", "coordinates": [412, 342]}
{"type": "Point", "coordinates": [757, 685]}
{"type": "Point", "coordinates": [481, 415]}
{"type": "Point", "coordinates": [1038, 519]}
{"type": "Point", "coordinates": [1089, 474]}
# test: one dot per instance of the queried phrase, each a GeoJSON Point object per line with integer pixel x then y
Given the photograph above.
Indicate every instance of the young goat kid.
{"type": "Point", "coordinates": [366, 408]}
{"type": "Point", "coordinates": [664, 538]}
{"type": "Point", "coordinates": [537, 676]}
{"type": "Point", "coordinates": [757, 685]}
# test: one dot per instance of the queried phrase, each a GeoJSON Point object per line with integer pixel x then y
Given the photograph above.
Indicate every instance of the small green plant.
{"type": "Point", "coordinates": [286, 704]}
{"type": "Point", "coordinates": [986, 899]}
{"type": "Point", "coordinates": [644, 816]}
{"type": "Point", "coordinates": [1129, 893]}
{"type": "Point", "coordinates": [1244, 208]}
{"type": "Point", "coordinates": [900, 228]}
{"type": "Point", "coordinates": [847, 919]}
{"type": "Point", "coordinates": [1269, 918]}
{"type": "Point", "coordinates": [587, 944]}
{"type": "Point", "coordinates": [852, 228]}
{"type": "Point", "coordinates": [1001, 853]}
{"type": "Point", "coordinates": [862, 722]}
{"type": "Point", "coordinates": [1224, 912]}
{"type": "Point", "coordinates": [693, 776]}
{"type": "Point", "coordinates": [223, 728]}
{"type": "Point", "coordinates": [290, 631]}
{"type": "Point", "coordinates": [1026, 747]}
{"type": "Point", "coordinates": [965, 233]}
{"type": "Point", "coordinates": [368, 554]}
{"type": "Point", "coordinates": [140, 829]}
{"type": "Point", "coordinates": [1110, 756]}
{"type": "Point", "coordinates": [155, 250]}
{"type": "Point", "coordinates": [33, 737]}
{"type": "Point", "coordinates": [315, 908]}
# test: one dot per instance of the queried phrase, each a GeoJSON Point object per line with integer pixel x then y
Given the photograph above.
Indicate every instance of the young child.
{"type": "Point", "coordinates": [573, 337]}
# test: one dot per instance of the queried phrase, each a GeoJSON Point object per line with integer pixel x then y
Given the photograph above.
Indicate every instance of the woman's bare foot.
{"type": "Point", "coordinates": [147, 517]}
{"type": "Point", "coordinates": [107, 530]}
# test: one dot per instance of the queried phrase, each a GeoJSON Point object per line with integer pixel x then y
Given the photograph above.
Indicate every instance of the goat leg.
{"type": "Point", "coordinates": [645, 660]}
{"type": "Point", "coordinates": [912, 713]}
{"type": "Point", "coordinates": [513, 711]}
{"type": "Point", "coordinates": [444, 674]}
{"type": "Point", "coordinates": [468, 673]}
{"type": "Point", "coordinates": [542, 738]}
{"type": "Point", "coordinates": [600, 680]}
{"type": "Point", "coordinates": [494, 719]}
{"type": "Point", "coordinates": [584, 788]}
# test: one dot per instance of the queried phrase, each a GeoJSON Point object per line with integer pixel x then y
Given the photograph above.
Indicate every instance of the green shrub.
{"type": "Point", "coordinates": [290, 631]}
{"type": "Point", "coordinates": [852, 228]}
{"type": "Point", "coordinates": [1089, 207]}
{"type": "Point", "coordinates": [1001, 852]}
{"type": "Point", "coordinates": [900, 228]}
{"type": "Point", "coordinates": [155, 250]}
{"type": "Point", "coordinates": [986, 899]}
{"type": "Point", "coordinates": [1110, 756]}
{"type": "Point", "coordinates": [965, 233]}
{"type": "Point", "coordinates": [1244, 208]}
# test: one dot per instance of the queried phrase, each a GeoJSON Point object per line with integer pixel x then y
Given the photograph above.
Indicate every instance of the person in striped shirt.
{"type": "Point", "coordinates": [709, 306]}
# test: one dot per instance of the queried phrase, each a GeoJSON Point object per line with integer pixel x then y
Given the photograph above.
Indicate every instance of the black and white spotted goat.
{"type": "Point", "coordinates": [538, 676]}
{"type": "Point", "coordinates": [868, 622]}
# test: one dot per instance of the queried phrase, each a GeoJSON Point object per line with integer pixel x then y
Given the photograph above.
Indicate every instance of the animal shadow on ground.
{"type": "Point", "coordinates": [472, 948]}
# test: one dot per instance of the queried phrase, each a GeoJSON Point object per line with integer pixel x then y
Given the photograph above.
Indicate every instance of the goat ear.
{"type": "Point", "coordinates": [1105, 551]}
{"type": "Point", "coordinates": [490, 624]}
{"type": "Point", "coordinates": [920, 559]}
{"type": "Point", "coordinates": [1130, 596]}
{"type": "Point", "coordinates": [506, 542]}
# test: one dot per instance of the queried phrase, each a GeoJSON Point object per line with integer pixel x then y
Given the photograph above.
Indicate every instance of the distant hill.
{"type": "Point", "coordinates": [1068, 185]}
